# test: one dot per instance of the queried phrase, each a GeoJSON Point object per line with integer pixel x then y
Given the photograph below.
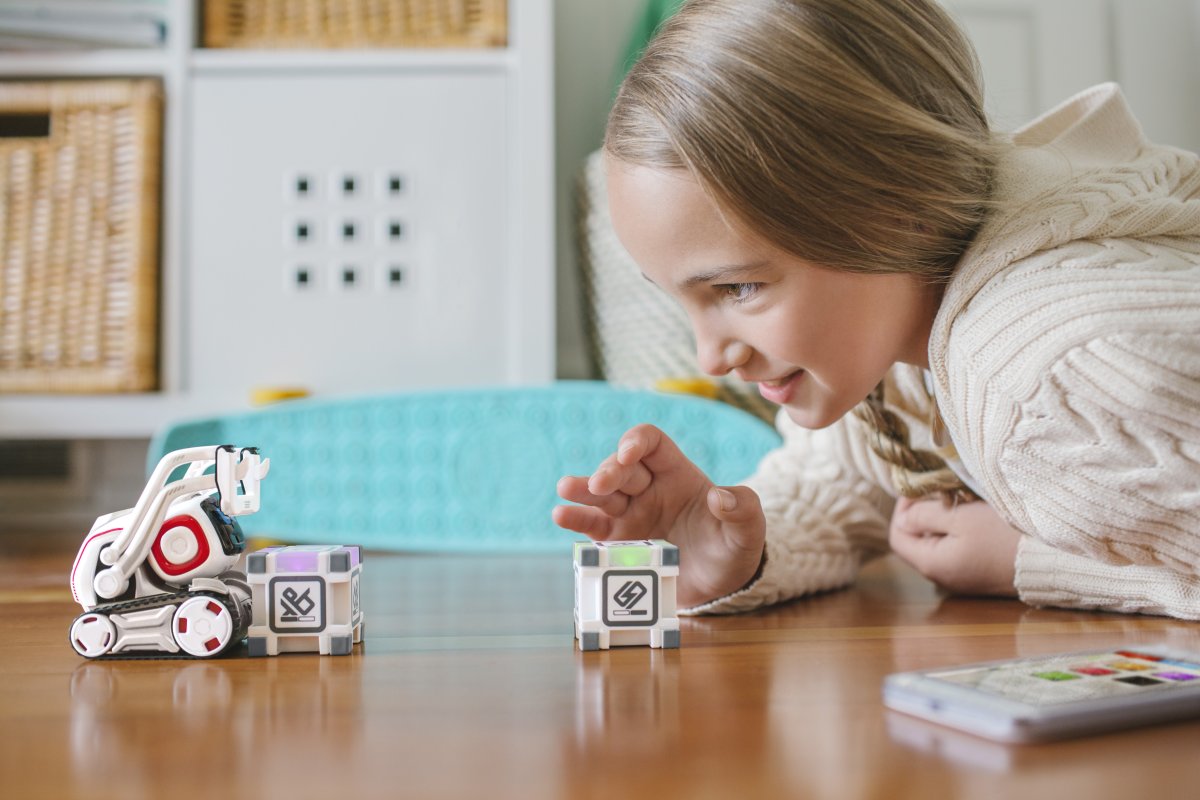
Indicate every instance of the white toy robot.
{"type": "Point", "coordinates": [158, 580]}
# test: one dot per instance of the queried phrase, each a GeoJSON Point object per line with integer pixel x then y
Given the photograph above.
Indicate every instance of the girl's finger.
{"type": "Point", "coordinates": [576, 489]}
{"type": "Point", "coordinates": [650, 445]}
{"type": "Point", "coordinates": [902, 524]}
{"type": "Point", "coordinates": [608, 477]}
{"type": "Point", "coordinates": [924, 516]}
{"type": "Point", "coordinates": [914, 547]}
{"type": "Point", "coordinates": [590, 522]}
{"type": "Point", "coordinates": [637, 480]}
{"type": "Point", "coordinates": [740, 509]}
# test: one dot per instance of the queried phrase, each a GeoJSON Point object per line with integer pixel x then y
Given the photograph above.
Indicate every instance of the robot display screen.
{"type": "Point", "coordinates": [228, 529]}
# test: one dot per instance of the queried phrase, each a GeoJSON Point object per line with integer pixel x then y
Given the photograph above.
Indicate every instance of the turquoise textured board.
{"type": "Point", "coordinates": [456, 470]}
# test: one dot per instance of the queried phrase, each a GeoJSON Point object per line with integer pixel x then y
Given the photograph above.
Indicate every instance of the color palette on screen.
{"type": "Point", "coordinates": [1130, 667]}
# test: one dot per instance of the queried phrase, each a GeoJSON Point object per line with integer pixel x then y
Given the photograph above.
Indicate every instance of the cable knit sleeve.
{"type": "Point", "coordinates": [1103, 468]}
{"type": "Point", "coordinates": [826, 515]}
{"type": "Point", "coordinates": [1049, 577]}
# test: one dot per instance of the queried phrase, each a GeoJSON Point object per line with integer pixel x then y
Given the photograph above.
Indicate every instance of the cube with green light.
{"type": "Point", "coordinates": [625, 594]}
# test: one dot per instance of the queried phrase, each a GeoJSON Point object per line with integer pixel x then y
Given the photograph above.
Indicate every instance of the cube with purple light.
{"type": "Point", "coordinates": [305, 599]}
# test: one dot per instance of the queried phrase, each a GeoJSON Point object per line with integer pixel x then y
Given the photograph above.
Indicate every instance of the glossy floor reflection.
{"type": "Point", "coordinates": [469, 685]}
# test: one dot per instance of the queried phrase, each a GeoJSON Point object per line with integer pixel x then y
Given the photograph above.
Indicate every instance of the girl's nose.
{"type": "Point", "coordinates": [719, 356]}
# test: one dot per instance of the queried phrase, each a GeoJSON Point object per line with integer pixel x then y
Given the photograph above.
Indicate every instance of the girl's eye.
{"type": "Point", "coordinates": [739, 292]}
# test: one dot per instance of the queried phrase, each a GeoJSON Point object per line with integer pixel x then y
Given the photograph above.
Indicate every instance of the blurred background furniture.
{"type": "Point", "coordinates": [461, 470]}
{"type": "Point", "coordinates": [79, 171]}
{"type": "Point", "coordinates": [351, 218]}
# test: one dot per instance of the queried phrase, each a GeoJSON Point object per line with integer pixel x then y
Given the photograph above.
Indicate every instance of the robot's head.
{"type": "Point", "coordinates": [196, 540]}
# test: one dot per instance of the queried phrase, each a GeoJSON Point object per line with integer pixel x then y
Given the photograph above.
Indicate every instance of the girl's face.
{"type": "Point", "coordinates": [816, 341]}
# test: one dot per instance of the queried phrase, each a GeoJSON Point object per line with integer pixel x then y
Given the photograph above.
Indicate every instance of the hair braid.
{"type": "Point", "coordinates": [915, 473]}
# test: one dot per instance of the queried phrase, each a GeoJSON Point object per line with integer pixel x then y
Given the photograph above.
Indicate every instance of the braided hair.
{"type": "Point", "coordinates": [915, 473]}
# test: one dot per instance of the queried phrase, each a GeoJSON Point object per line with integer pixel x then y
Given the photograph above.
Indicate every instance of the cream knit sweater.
{"type": "Point", "coordinates": [1065, 361]}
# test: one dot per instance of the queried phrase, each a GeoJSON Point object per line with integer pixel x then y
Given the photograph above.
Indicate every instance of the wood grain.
{"type": "Point", "coordinates": [469, 686]}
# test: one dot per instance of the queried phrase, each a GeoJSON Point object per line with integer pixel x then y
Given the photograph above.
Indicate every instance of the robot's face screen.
{"type": "Point", "coordinates": [227, 528]}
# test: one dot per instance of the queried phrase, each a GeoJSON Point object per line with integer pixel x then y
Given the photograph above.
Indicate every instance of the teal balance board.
{"type": "Point", "coordinates": [457, 470]}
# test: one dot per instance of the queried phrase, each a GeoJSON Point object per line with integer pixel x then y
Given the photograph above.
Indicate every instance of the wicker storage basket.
{"type": "Point", "coordinates": [79, 189]}
{"type": "Point", "coordinates": [316, 24]}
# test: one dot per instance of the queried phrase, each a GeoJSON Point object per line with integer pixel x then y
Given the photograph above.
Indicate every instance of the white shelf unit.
{"type": "Point", "coordinates": [519, 342]}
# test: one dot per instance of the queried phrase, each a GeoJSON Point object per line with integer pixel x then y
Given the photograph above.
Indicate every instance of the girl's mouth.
{"type": "Point", "coordinates": [781, 391]}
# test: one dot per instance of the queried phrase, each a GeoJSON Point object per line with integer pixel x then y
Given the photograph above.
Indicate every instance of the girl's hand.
{"type": "Point", "coordinates": [649, 490]}
{"type": "Point", "coordinates": [965, 549]}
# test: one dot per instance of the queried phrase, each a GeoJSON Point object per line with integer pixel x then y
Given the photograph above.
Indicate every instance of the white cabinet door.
{"type": "Point", "coordinates": [348, 232]}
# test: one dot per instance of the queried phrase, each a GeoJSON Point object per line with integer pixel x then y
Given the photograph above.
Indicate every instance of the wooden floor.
{"type": "Point", "coordinates": [469, 686]}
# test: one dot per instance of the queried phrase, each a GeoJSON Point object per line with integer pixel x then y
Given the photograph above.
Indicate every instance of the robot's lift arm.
{"type": "Point", "coordinates": [234, 468]}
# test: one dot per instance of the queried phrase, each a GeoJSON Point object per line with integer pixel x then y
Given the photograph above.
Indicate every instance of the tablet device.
{"type": "Point", "coordinates": [1053, 697]}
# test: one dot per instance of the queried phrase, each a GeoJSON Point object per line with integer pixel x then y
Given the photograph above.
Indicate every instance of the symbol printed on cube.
{"type": "Point", "coordinates": [625, 594]}
{"type": "Point", "coordinates": [297, 605]}
{"type": "Point", "coordinates": [629, 597]}
{"type": "Point", "coordinates": [305, 598]}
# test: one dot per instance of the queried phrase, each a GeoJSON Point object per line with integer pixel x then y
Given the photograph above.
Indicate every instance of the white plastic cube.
{"type": "Point", "coordinates": [305, 598]}
{"type": "Point", "coordinates": [625, 594]}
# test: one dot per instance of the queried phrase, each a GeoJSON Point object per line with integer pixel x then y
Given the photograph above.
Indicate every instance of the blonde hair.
{"type": "Point", "coordinates": [848, 133]}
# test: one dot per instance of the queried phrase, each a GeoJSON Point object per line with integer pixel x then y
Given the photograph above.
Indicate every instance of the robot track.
{"type": "Point", "coordinates": [177, 625]}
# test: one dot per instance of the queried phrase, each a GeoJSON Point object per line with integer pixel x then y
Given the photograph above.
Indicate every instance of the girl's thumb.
{"type": "Point", "coordinates": [732, 503]}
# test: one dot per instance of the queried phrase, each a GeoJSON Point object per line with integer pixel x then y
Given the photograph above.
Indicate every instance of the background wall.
{"type": "Point", "coordinates": [1155, 61]}
{"type": "Point", "coordinates": [590, 42]}
{"type": "Point", "coordinates": [1036, 53]}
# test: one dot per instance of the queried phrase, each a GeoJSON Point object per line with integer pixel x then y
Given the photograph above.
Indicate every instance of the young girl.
{"type": "Point", "coordinates": [986, 349]}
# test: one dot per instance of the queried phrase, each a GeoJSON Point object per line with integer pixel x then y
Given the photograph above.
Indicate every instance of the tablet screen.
{"type": "Point", "coordinates": [1080, 676]}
